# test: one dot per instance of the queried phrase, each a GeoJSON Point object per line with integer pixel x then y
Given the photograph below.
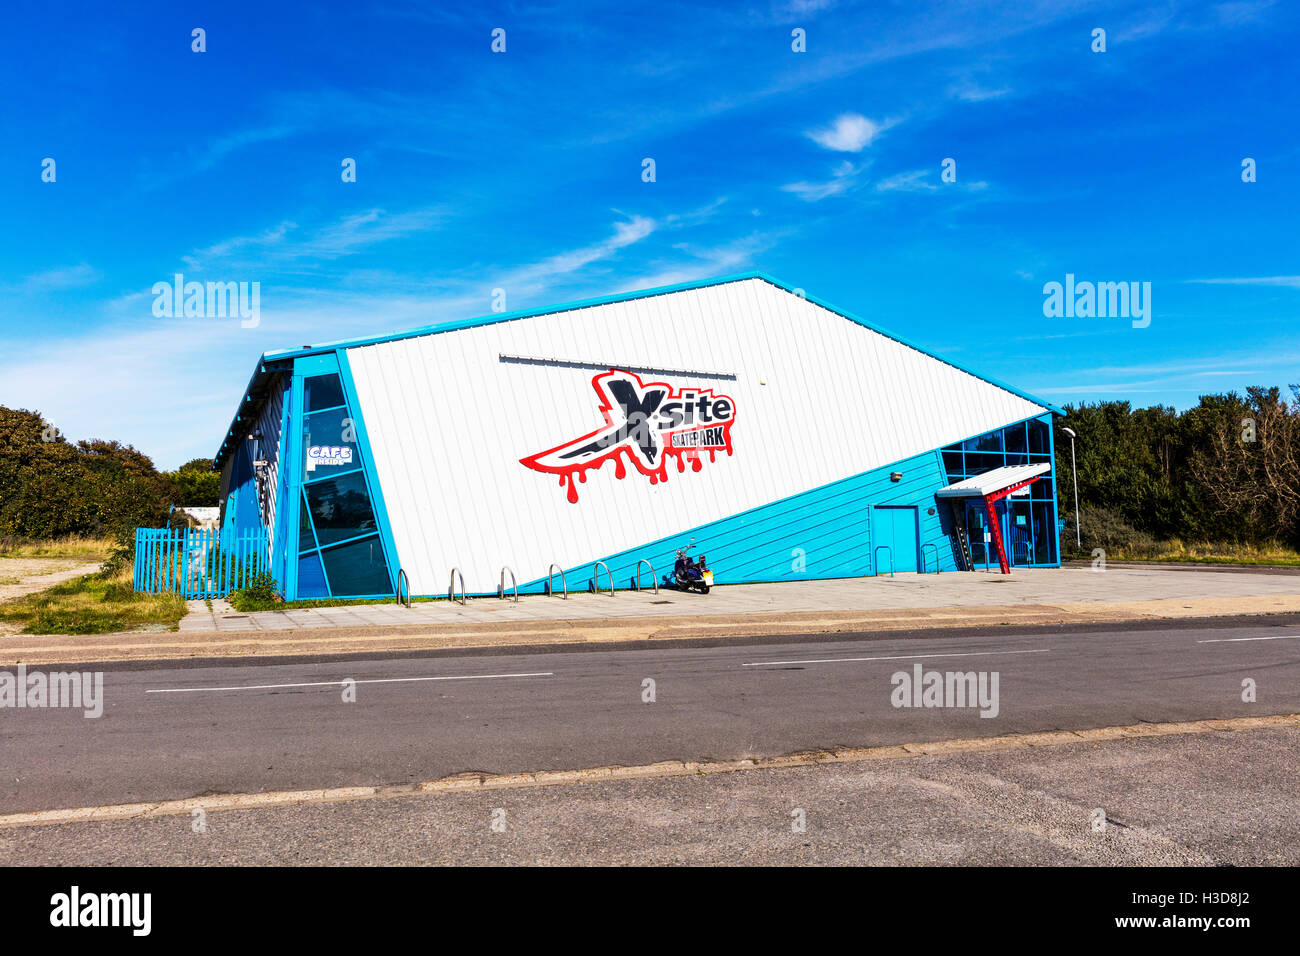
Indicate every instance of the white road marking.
{"type": "Point", "coordinates": [1233, 640]}
{"type": "Point", "coordinates": [905, 657]}
{"type": "Point", "coordinates": [339, 683]}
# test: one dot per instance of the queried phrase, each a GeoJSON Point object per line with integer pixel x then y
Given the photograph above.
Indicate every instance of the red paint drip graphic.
{"type": "Point", "coordinates": [646, 423]}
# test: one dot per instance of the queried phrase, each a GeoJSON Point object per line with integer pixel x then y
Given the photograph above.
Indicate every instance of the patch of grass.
{"type": "Point", "coordinates": [1176, 551]}
{"type": "Point", "coordinates": [93, 604]}
{"type": "Point", "coordinates": [76, 546]}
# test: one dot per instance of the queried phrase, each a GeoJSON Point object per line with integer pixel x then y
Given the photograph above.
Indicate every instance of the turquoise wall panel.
{"type": "Point", "coordinates": [822, 533]}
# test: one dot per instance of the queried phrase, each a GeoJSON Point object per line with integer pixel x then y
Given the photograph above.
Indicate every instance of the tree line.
{"type": "Point", "coordinates": [51, 488]}
{"type": "Point", "coordinates": [1225, 471]}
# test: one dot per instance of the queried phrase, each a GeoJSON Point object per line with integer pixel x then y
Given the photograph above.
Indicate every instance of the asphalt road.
{"type": "Point", "coordinates": [172, 732]}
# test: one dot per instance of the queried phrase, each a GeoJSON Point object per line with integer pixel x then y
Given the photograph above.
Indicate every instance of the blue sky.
{"type": "Point", "coordinates": [522, 171]}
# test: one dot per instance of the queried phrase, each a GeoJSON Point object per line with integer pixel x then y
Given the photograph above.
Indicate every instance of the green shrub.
{"type": "Point", "coordinates": [1106, 528]}
{"type": "Point", "coordinates": [260, 594]}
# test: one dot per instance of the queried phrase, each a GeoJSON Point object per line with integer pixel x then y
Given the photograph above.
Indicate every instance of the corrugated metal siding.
{"type": "Point", "coordinates": [448, 423]}
{"type": "Point", "coordinates": [269, 425]}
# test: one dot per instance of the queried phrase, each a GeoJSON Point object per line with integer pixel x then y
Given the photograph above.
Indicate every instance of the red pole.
{"type": "Point", "coordinates": [995, 526]}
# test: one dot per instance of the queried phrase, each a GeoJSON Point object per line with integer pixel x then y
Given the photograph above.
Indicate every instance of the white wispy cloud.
{"type": "Point", "coordinates": [917, 180]}
{"type": "Point", "coordinates": [626, 233]}
{"type": "Point", "coordinates": [849, 133]}
{"type": "Point", "coordinates": [54, 280]}
{"type": "Point", "coordinates": [1291, 282]}
{"type": "Point", "coordinates": [843, 178]}
{"type": "Point", "coordinates": [1247, 11]}
{"type": "Point", "coordinates": [285, 242]}
{"type": "Point", "coordinates": [974, 93]}
{"type": "Point", "coordinates": [924, 181]}
{"type": "Point", "coordinates": [269, 239]}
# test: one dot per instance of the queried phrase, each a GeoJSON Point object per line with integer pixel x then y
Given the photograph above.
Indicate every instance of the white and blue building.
{"type": "Point", "coordinates": [790, 439]}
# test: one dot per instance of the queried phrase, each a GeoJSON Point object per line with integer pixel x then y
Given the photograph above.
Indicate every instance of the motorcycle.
{"type": "Point", "coordinates": [688, 573]}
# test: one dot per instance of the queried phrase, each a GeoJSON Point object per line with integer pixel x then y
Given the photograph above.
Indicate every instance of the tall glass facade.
{"type": "Point", "coordinates": [339, 548]}
{"type": "Point", "coordinates": [1028, 520]}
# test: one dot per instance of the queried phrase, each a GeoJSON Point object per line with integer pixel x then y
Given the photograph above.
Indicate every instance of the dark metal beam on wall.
{"type": "Point", "coordinates": [605, 366]}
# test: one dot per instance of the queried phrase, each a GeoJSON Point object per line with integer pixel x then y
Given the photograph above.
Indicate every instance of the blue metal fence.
{"type": "Point", "coordinates": [197, 563]}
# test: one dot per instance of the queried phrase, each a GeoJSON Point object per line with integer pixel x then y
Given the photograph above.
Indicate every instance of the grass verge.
{"type": "Point", "coordinates": [76, 546]}
{"type": "Point", "coordinates": [1175, 551]}
{"type": "Point", "coordinates": [93, 604]}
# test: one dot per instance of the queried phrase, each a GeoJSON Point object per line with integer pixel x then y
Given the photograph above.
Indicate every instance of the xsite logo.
{"type": "Point", "coordinates": [646, 423]}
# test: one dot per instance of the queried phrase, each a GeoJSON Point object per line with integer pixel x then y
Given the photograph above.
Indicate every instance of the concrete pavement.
{"type": "Point", "coordinates": [1060, 597]}
{"type": "Point", "coordinates": [1028, 587]}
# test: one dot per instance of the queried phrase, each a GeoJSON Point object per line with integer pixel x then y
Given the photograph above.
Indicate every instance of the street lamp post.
{"type": "Point", "coordinates": [1074, 473]}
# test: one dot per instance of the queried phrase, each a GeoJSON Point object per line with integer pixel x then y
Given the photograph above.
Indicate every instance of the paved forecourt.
{"type": "Point", "coordinates": [1214, 592]}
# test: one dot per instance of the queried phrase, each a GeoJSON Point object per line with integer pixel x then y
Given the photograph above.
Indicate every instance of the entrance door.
{"type": "Point", "coordinates": [895, 527]}
{"type": "Point", "coordinates": [976, 527]}
{"type": "Point", "coordinates": [1016, 536]}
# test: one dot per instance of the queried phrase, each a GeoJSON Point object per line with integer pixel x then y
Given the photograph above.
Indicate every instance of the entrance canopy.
{"type": "Point", "coordinates": [1007, 479]}
{"type": "Point", "coordinates": [992, 486]}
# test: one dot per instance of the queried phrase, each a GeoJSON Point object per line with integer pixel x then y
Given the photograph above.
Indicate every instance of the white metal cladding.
{"type": "Point", "coordinates": [268, 423]}
{"type": "Point", "coordinates": [817, 398]}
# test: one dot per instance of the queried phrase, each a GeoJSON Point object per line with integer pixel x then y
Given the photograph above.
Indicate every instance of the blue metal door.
{"type": "Point", "coordinates": [895, 527]}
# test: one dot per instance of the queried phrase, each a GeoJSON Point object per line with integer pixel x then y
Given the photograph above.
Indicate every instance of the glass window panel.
{"type": "Point", "coordinates": [1044, 516]}
{"type": "Point", "coordinates": [326, 445]}
{"type": "Point", "coordinates": [1016, 440]}
{"type": "Point", "coordinates": [979, 462]}
{"type": "Point", "coordinates": [305, 540]}
{"type": "Point", "coordinates": [311, 581]}
{"type": "Point", "coordinates": [990, 442]}
{"type": "Point", "coordinates": [1038, 442]}
{"type": "Point", "coordinates": [952, 465]}
{"type": "Point", "coordinates": [1021, 535]}
{"type": "Point", "coordinates": [321, 391]}
{"type": "Point", "coordinates": [340, 508]}
{"type": "Point", "coordinates": [358, 568]}
{"type": "Point", "coordinates": [975, 522]}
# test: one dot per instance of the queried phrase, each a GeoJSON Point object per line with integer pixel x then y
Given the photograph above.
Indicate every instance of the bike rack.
{"type": "Point", "coordinates": [883, 547]}
{"type": "Point", "coordinates": [451, 586]}
{"type": "Point", "coordinates": [401, 576]}
{"type": "Point", "coordinates": [653, 577]}
{"type": "Point", "coordinates": [550, 573]}
{"type": "Point", "coordinates": [937, 569]}
{"type": "Point", "coordinates": [595, 577]}
{"type": "Point", "coordinates": [501, 590]}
